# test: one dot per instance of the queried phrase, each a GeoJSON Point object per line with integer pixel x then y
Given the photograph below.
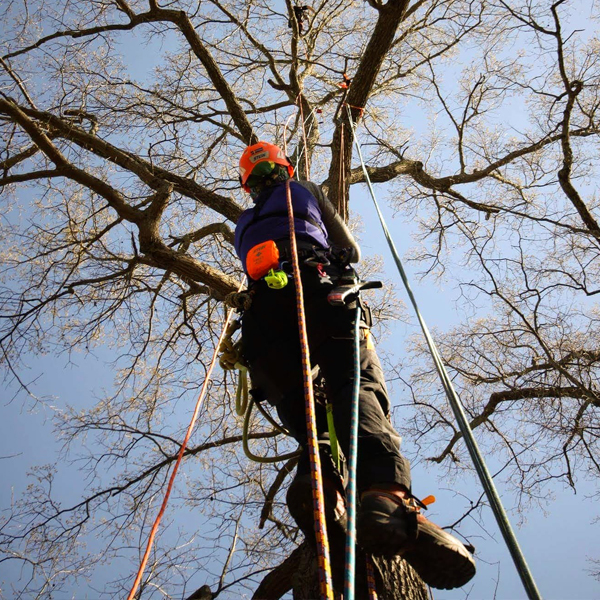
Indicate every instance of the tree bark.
{"type": "Point", "coordinates": [390, 16]}
{"type": "Point", "coordinates": [395, 579]}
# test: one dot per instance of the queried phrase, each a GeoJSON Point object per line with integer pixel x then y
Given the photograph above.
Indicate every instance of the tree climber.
{"type": "Point", "coordinates": [300, 14]}
{"type": "Point", "coordinates": [389, 520]}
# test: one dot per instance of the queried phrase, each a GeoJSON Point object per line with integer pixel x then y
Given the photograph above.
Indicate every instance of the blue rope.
{"type": "Point", "coordinates": [459, 413]}
{"type": "Point", "coordinates": [352, 460]}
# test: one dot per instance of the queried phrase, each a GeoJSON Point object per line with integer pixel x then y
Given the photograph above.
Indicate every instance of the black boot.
{"type": "Point", "coordinates": [300, 504]}
{"type": "Point", "coordinates": [389, 525]}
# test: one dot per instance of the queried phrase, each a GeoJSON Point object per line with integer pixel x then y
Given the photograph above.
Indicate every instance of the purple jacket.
{"type": "Point", "coordinates": [268, 220]}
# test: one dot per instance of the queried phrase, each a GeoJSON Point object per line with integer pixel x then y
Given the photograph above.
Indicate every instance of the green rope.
{"type": "Point", "coordinates": [230, 360]}
{"type": "Point", "coordinates": [333, 440]}
{"type": "Point", "coordinates": [248, 452]}
{"type": "Point", "coordinates": [241, 394]}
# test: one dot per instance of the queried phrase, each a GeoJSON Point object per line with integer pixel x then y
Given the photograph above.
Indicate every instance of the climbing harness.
{"type": "Point", "coordinates": [456, 405]}
{"type": "Point", "coordinates": [325, 581]}
{"type": "Point", "coordinates": [230, 360]}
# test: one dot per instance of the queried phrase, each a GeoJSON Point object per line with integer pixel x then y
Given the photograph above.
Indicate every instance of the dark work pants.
{"type": "Point", "coordinates": [271, 347]}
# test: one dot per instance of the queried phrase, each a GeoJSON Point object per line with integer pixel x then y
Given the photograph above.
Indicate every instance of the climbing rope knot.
{"type": "Point", "coordinates": [231, 359]}
{"type": "Point", "coordinates": [239, 300]}
{"type": "Point", "coordinates": [230, 352]}
{"type": "Point", "coordinates": [360, 109]}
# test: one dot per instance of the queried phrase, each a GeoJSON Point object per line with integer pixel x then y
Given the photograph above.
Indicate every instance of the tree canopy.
{"type": "Point", "coordinates": [122, 124]}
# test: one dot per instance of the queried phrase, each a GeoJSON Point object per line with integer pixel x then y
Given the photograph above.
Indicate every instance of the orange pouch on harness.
{"type": "Point", "coordinates": [261, 259]}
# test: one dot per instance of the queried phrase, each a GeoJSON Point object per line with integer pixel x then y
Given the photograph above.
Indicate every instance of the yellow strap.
{"type": "Point", "coordinates": [335, 448]}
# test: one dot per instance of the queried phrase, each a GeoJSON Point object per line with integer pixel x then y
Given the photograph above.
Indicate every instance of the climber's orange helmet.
{"type": "Point", "coordinates": [260, 153]}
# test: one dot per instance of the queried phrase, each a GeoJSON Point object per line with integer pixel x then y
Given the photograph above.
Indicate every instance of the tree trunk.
{"type": "Point", "coordinates": [395, 579]}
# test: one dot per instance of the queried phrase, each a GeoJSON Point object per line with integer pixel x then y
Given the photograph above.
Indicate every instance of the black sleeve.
{"type": "Point", "coordinates": [337, 231]}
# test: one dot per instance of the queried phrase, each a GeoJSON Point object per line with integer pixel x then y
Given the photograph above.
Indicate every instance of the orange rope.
{"type": "Point", "coordinates": [190, 429]}
{"type": "Point", "coordinates": [371, 585]}
{"type": "Point", "coordinates": [325, 581]}
{"type": "Point", "coordinates": [359, 108]}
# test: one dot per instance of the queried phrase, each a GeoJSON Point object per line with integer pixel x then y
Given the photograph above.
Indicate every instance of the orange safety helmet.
{"type": "Point", "coordinates": [258, 153]}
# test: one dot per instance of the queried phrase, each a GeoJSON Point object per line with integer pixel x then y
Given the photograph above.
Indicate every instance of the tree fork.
{"type": "Point", "coordinates": [380, 42]}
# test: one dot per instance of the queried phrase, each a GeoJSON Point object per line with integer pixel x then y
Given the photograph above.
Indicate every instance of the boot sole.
{"type": "Point", "coordinates": [441, 560]}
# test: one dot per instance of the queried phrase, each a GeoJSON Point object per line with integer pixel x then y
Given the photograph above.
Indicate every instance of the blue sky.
{"type": "Point", "coordinates": [556, 544]}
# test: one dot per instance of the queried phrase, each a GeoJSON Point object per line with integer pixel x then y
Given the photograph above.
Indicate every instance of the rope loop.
{"type": "Point", "coordinates": [239, 300]}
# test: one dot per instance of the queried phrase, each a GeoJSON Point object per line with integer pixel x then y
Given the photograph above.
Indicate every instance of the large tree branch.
{"type": "Point", "coordinates": [13, 75]}
{"type": "Point", "coordinates": [416, 170]}
{"type": "Point", "coordinates": [573, 89]}
{"type": "Point", "coordinates": [40, 139]}
{"type": "Point", "coordinates": [389, 18]}
{"type": "Point", "coordinates": [12, 161]}
{"type": "Point", "coordinates": [153, 176]}
{"type": "Point", "coordinates": [581, 359]}
{"type": "Point", "coordinates": [183, 23]}
{"type": "Point", "coordinates": [33, 176]}
{"type": "Point", "coordinates": [134, 21]}
{"type": "Point", "coordinates": [160, 256]}
{"type": "Point", "coordinates": [514, 395]}
{"type": "Point", "coordinates": [234, 108]}
{"type": "Point", "coordinates": [195, 236]}
{"type": "Point", "coordinates": [279, 580]}
{"type": "Point", "coordinates": [265, 513]}
{"type": "Point", "coordinates": [405, 166]}
{"type": "Point", "coordinates": [156, 252]}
